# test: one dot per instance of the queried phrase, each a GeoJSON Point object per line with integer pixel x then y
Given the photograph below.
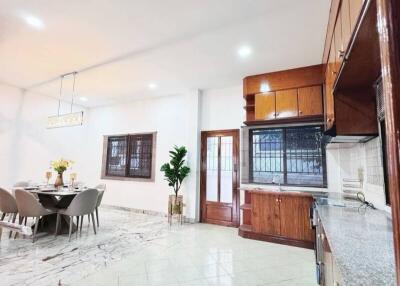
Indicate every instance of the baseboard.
{"type": "Point", "coordinates": [147, 212]}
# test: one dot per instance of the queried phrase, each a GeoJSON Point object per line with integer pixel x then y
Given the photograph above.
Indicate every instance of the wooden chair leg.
{"type": "Point", "coordinates": [13, 221]}
{"type": "Point", "coordinates": [71, 222]}
{"type": "Point", "coordinates": [94, 223]}
{"type": "Point", "coordinates": [35, 229]}
{"type": "Point", "coordinates": [3, 216]}
{"type": "Point", "coordinates": [20, 220]}
{"type": "Point", "coordinates": [97, 217]}
{"type": "Point", "coordinates": [80, 230]}
{"type": "Point", "coordinates": [57, 224]}
{"type": "Point", "coordinates": [77, 226]}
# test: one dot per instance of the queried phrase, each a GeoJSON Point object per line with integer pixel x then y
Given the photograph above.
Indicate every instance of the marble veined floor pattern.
{"type": "Point", "coordinates": [138, 249]}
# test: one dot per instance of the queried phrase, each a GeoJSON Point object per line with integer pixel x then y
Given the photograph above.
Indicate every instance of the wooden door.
{"type": "Point", "coordinates": [265, 106]}
{"type": "Point", "coordinates": [219, 181]}
{"type": "Point", "coordinates": [286, 103]}
{"type": "Point", "coordinates": [265, 217]}
{"type": "Point", "coordinates": [310, 101]}
{"type": "Point", "coordinates": [294, 212]}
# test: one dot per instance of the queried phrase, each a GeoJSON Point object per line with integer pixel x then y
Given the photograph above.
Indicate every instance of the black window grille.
{"type": "Point", "coordinates": [289, 156]}
{"type": "Point", "coordinates": [130, 156]}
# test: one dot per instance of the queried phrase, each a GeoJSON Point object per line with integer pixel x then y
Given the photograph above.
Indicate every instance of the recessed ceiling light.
{"type": "Point", "coordinates": [33, 21]}
{"type": "Point", "coordinates": [244, 51]}
{"type": "Point", "coordinates": [82, 98]}
{"type": "Point", "coordinates": [152, 85]}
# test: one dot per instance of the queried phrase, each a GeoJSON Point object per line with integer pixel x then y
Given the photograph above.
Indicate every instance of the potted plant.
{"type": "Point", "coordinates": [60, 166]}
{"type": "Point", "coordinates": [175, 172]}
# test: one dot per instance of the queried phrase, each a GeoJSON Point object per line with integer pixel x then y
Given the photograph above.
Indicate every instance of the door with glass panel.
{"type": "Point", "coordinates": [220, 177]}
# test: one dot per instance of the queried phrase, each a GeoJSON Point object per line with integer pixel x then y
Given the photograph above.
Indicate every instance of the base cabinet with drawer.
{"type": "Point", "coordinates": [327, 270]}
{"type": "Point", "coordinates": [278, 217]}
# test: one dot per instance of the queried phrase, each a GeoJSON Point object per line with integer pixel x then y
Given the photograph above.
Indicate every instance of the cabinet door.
{"type": "Point", "coordinates": [295, 221]}
{"type": "Point", "coordinates": [265, 106]}
{"type": "Point", "coordinates": [355, 9]}
{"type": "Point", "coordinates": [286, 103]}
{"type": "Point", "coordinates": [346, 27]}
{"type": "Point", "coordinates": [310, 101]}
{"type": "Point", "coordinates": [328, 279]}
{"type": "Point", "coordinates": [331, 76]}
{"type": "Point", "coordinates": [265, 213]}
{"type": "Point", "coordinates": [339, 53]}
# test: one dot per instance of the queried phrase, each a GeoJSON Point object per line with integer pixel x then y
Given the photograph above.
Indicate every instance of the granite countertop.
{"type": "Point", "coordinates": [361, 244]}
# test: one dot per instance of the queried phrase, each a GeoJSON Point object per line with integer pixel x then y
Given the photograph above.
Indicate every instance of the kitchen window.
{"type": "Point", "coordinates": [288, 156]}
{"type": "Point", "coordinates": [129, 156]}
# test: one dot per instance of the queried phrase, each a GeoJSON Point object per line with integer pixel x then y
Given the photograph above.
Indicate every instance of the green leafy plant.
{"type": "Point", "coordinates": [175, 171]}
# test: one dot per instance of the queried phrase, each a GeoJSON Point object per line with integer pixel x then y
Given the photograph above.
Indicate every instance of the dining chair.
{"type": "Point", "coordinates": [83, 204]}
{"type": "Point", "coordinates": [101, 188]}
{"type": "Point", "coordinates": [8, 205]}
{"type": "Point", "coordinates": [29, 206]}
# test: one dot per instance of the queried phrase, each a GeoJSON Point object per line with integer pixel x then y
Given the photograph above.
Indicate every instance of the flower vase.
{"type": "Point", "coordinates": [59, 181]}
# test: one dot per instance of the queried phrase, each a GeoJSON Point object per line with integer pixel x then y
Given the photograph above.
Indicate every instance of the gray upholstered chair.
{"type": "Point", "coordinates": [29, 206]}
{"type": "Point", "coordinates": [101, 188]}
{"type": "Point", "coordinates": [83, 204]}
{"type": "Point", "coordinates": [8, 205]}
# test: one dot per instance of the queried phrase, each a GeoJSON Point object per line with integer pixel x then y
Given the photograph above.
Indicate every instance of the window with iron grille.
{"type": "Point", "coordinates": [289, 156]}
{"type": "Point", "coordinates": [129, 156]}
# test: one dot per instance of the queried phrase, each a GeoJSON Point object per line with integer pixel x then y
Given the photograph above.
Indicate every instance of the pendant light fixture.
{"type": "Point", "coordinates": [68, 119]}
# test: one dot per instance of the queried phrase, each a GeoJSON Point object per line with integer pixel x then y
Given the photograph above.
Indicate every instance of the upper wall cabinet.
{"type": "Point", "coordinates": [352, 66]}
{"type": "Point", "coordinates": [291, 95]}
{"type": "Point", "coordinates": [310, 101]}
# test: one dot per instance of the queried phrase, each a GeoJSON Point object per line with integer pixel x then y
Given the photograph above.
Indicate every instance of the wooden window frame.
{"type": "Point", "coordinates": [127, 176]}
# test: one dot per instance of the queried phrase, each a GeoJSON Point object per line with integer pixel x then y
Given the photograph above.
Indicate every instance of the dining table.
{"type": "Point", "coordinates": [55, 198]}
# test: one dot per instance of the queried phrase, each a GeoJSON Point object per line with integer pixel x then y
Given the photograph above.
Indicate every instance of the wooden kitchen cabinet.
{"type": "Point", "coordinates": [279, 217]}
{"type": "Point", "coordinates": [354, 12]}
{"type": "Point", "coordinates": [339, 48]}
{"type": "Point", "coordinates": [265, 106]}
{"type": "Point", "coordinates": [294, 217]}
{"type": "Point", "coordinates": [310, 101]}
{"type": "Point", "coordinates": [286, 103]}
{"type": "Point", "coordinates": [346, 26]}
{"type": "Point", "coordinates": [273, 97]}
{"type": "Point", "coordinates": [265, 214]}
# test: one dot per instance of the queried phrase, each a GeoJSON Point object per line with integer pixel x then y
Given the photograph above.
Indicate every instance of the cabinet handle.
{"type": "Point", "coordinates": [341, 53]}
{"type": "Point", "coordinates": [276, 113]}
{"type": "Point", "coordinates": [300, 112]}
{"type": "Point", "coordinates": [276, 200]}
{"type": "Point", "coordinates": [334, 73]}
{"type": "Point", "coordinates": [329, 119]}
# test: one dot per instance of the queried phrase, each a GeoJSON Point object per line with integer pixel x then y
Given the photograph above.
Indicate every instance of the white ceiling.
{"type": "Point", "coordinates": [123, 45]}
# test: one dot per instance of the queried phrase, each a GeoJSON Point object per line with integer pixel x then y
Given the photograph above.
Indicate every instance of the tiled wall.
{"type": "Point", "coordinates": [374, 163]}
{"type": "Point", "coordinates": [355, 160]}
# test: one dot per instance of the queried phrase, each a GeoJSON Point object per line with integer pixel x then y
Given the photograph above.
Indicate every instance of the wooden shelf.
{"type": "Point", "coordinates": [313, 118]}
{"type": "Point", "coordinates": [250, 107]}
{"type": "Point", "coordinates": [361, 67]}
{"type": "Point", "coordinates": [245, 207]}
{"type": "Point", "coordinates": [245, 227]}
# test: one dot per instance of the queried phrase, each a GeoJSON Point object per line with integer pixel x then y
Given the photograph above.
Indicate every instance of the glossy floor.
{"type": "Point", "coordinates": [136, 249]}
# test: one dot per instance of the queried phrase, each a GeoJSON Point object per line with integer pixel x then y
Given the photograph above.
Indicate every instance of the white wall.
{"type": "Point", "coordinates": [222, 108]}
{"type": "Point", "coordinates": [175, 119]}
{"type": "Point", "coordinates": [26, 146]}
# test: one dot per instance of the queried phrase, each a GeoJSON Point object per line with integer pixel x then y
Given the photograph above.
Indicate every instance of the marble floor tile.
{"type": "Point", "coordinates": [138, 249]}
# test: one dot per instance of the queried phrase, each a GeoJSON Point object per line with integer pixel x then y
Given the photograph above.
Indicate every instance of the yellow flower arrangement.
{"type": "Point", "coordinates": [61, 165]}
